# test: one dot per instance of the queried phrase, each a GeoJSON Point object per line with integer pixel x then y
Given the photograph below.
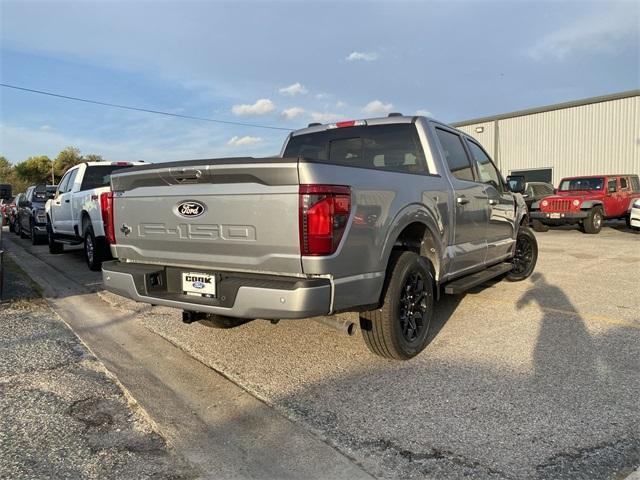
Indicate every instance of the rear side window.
{"type": "Point", "coordinates": [623, 183]}
{"type": "Point", "coordinates": [611, 185]}
{"type": "Point", "coordinates": [99, 176]}
{"type": "Point", "coordinates": [635, 184]}
{"type": "Point", "coordinates": [455, 155]}
{"type": "Point", "coordinates": [394, 147]}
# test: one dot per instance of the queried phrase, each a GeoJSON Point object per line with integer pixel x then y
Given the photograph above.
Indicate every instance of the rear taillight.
{"type": "Point", "coordinates": [106, 207]}
{"type": "Point", "coordinates": [324, 213]}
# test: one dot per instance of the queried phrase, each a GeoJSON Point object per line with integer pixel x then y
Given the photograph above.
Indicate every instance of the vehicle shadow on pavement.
{"type": "Point", "coordinates": [569, 411]}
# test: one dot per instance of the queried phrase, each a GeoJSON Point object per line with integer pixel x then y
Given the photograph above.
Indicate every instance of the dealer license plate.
{"type": "Point", "coordinates": [199, 284]}
{"type": "Point", "coordinates": [554, 215]}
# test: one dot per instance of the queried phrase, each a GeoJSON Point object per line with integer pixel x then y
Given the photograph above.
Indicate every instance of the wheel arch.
{"type": "Point", "coordinates": [418, 230]}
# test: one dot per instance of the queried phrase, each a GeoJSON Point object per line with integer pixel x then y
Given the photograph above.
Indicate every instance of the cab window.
{"type": "Point", "coordinates": [623, 183]}
{"type": "Point", "coordinates": [486, 170]}
{"type": "Point", "coordinates": [63, 183]}
{"type": "Point", "coordinates": [455, 155]}
{"type": "Point", "coordinates": [611, 185]}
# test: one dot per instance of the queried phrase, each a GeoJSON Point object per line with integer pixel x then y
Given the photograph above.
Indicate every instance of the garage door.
{"type": "Point", "coordinates": [537, 175]}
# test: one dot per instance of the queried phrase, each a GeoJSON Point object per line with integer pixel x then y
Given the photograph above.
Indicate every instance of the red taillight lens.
{"type": "Point", "coordinates": [324, 213]}
{"type": "Point", "coordinates": [106, 207]}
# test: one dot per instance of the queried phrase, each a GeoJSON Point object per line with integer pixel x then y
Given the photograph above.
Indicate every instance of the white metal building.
{"type": "Point", "coordinates": [593, 136]}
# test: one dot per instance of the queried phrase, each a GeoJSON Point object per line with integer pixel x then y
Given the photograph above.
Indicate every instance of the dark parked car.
{"type": "Point", "coordinates": [31, 218]}
{"type": "Point", "coordinates": [536, 191]}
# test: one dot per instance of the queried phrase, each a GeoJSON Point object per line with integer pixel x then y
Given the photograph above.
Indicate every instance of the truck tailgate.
{"type": "Point", "coordinates": [237, 214]}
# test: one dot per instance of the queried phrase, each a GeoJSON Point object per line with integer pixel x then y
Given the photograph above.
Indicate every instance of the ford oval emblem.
{"type": "Point", "coordinates": [190, 209]}
{"type": "Point", "coordinates": [198, 285]}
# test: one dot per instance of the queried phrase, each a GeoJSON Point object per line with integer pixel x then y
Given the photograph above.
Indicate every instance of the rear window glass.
{"type": "Point", "coordinates": [582, 184]}
{"type": "Point", "coordinates": [635, 184]}
{"type": "Point", "coordinates": [99, 176]}
{"type": "Point", "coordinates": [386, 147]}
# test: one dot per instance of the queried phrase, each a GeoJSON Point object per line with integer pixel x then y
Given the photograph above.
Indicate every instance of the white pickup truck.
{"type": "Point", "coordinates": [76, 214]}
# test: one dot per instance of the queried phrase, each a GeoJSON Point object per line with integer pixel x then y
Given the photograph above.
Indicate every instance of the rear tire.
{"type": "Point", "coordinates": [11, 227]}
{"type": "Point", "coordinates": [538, 226]}
{"type": "Point", "coordinates": [593, 223]}
{"type": "Point", "coordinates": [94, 249]}
{"type": "Point", "coordinates": [54, 247]}
{"type": "Point", "coordinates": [399, 329]}
{"type": "Point", "coordinates": [525, 257]}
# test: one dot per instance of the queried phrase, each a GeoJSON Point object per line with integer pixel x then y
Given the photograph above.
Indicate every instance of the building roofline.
{"type": "Point", "coordinates": [550, 108]}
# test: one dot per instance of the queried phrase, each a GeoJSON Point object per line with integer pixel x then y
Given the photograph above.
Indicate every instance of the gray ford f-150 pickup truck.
{"type": "Point", "coordinates": [377, 216]}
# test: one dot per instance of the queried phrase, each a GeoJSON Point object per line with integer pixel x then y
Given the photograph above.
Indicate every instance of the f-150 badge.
{"type": "Point", "coordinates": [190, 209]}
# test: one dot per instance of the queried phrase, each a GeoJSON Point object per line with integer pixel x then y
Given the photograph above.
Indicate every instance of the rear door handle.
{"type": "Point", "coordinates": [462, 200]}
{"type": "Point", "coordinates": [493, 201]}
{"type": "Point", "coordinates": [66, 201]}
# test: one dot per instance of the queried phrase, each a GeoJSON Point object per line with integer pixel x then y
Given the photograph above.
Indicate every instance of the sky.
{"type": "Point", "coordinates": [285, 64]}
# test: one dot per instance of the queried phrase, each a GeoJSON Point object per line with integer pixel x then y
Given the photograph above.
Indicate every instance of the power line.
{"type": "Point", "coordinates": [146, 110]}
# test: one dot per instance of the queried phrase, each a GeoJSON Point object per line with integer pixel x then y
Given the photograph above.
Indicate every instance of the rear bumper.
{"type": "Point", "coordinates": [239, 295]}
{"type": "Point", "coordinates": [564, 216]}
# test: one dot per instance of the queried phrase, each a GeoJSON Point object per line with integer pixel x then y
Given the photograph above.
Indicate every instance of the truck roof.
{"type": "Point", "coordinates": [368, 121]}
{"type": "Point", "coordinates": [92, 164]}
{"type": "Point", "coordinates": [603, 175]}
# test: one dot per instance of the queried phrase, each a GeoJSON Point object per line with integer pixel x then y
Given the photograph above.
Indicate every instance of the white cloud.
{"type": "Point", "coordinates": [46, 128]}
{"type": "Point", "coordinates": [244, 141]}
{"type": "Point", "coordinates": [293, 90]}
{"type": "Point", "coordinates": [292, 112]}
{"type": "Point", "coordinates": [261, 107]}
{"type": "Point", "coordinates": [376, 107]}
{"type": "Point", "coordinates": [326, 117]}
{"type": "Point", "coordinates": [340, 104]}
{"type": "Point", "coordinates": [322, 96]}
{"type": "Point", "coordinates": [423, 113]}
{"type": "Point", "coordinates": [601, 32]}
{"type": "Point", "coordinates": [366, 56]}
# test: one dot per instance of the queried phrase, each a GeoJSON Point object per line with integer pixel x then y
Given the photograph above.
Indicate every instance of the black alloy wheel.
{"type": "Point", "coordinates": [413, 306]}
{"type": "Point", "coordinates": [525, 255]}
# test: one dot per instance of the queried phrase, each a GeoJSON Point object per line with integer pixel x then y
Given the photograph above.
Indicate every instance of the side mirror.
{"type": "Point", "coordinates": [516, 183]}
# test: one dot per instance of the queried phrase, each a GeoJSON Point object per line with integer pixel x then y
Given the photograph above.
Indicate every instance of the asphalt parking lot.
{"type": "Point", "coordinates": [537, 379]}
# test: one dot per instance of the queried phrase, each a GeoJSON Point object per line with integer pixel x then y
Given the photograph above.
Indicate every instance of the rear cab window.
{"type": "Point", "coordinates": [97, 176]}
{"type": "Point", "coordinates": [390, 147]}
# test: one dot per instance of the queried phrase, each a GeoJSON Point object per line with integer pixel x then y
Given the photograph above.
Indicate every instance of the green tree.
{"type": "Point", "coordinates": [34, 170]}
{"type": "Point", "coordinates": [8, 175]}
{"type": "Point", "coordinates": [93, 157]}
{"type": "Point", "coordinates": [66, 159]}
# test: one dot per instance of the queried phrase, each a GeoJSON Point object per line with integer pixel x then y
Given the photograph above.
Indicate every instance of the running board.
{"type": "Point", "coordinates": [465, 283]}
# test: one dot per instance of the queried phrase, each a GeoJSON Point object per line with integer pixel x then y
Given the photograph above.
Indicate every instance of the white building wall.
{"type": "Point", "coordinates": [597, 138]}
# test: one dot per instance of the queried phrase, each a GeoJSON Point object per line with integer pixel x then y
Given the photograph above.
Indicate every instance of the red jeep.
{"type": "Point", "coordinates": [586, 201]}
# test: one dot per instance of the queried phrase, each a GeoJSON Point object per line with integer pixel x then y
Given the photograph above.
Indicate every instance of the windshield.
{"type": "Point", "coordinates": [582, 184]}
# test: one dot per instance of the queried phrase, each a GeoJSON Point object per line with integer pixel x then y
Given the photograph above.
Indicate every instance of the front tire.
{"type": "Point", "coordinates": [593, 223]}
{"type": "Point", "coordinates": [399, 329]}
{"type": "Point", "coordinates": [538, 226]}
{"type": "Point", "coordinates": [35, 239]}
{"type": "Point", "coordinates": [525, 257]}
{"type": "Point", "coordinates": [94, 249]}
